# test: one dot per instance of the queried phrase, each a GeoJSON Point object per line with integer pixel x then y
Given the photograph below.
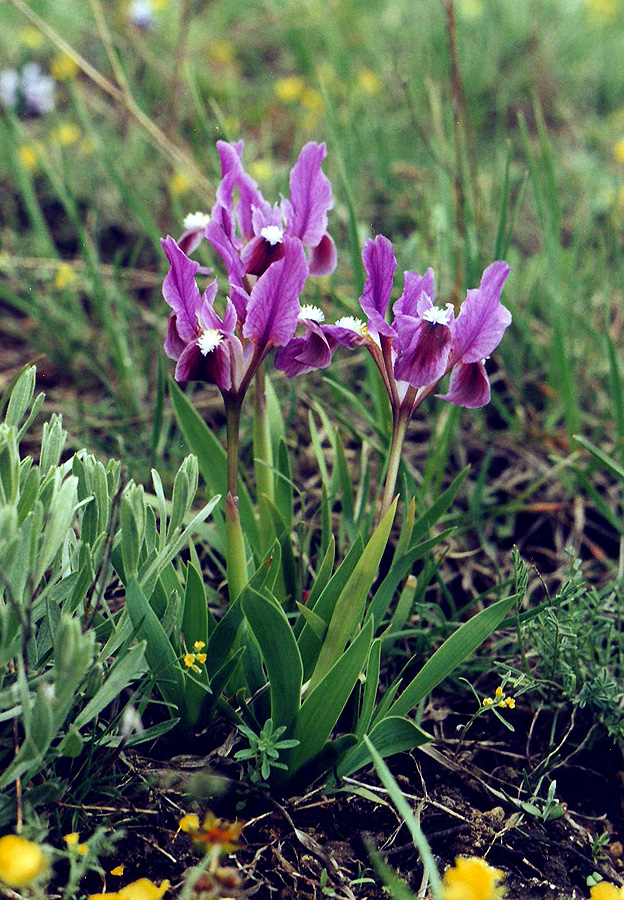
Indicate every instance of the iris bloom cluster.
{"type": "Point", "coordinates": [423, 343]}
{"type": "Point", "coordinates": [256, 239]}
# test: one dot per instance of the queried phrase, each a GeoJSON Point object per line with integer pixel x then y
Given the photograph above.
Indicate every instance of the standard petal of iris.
{"type": "Point", "coordinates": [217, 235]}
{"type": "Point", "coordinates": [303, 354]}
{"type": "Point", "coordinates": [469, 386]}
{"type": "Point", "coordinates": [482, 319]}
{"type": "Point", "coordinates": [423, 350]}
{"type": "Point", "coordinates": [273, 308]}
{"type": "Point", "coordinates": [180, 290]}
{"type": "Point", "coordinates": [414, 286]}
{"type": "Point", "coordinates": [234, 176]}
{"type": "Point", "coordinates": [323, 257]}
{"type": "Point", "coordinates": [310, 196]}
{"type": "Point", "coordinates": [379, 263]}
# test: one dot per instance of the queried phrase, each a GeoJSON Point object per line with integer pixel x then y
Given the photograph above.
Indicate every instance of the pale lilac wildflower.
{"type": "Point", "coordinates": [141, 13]}
{"type": "Point", "coordinates": [9, 83]}
{"type": "Point", "coordinates": [423, 343]}
{"type": "Point", "coordinates": [37, 89]}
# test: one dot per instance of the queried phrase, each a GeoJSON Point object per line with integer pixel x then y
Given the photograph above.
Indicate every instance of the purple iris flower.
{"type": "Point", "coordinates": [249, 233]}
{"type": "Point", "coordinates": [227, 350]}
{"type": "Point", "coordinates": [423, 343]}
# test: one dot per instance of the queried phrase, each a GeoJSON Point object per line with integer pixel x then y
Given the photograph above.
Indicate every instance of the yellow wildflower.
{"type": "Point", "coordinates": [222, 52]}
{"type": "Point", "coordinates": [498, 692]}
{"type": "Point", "coordinates": [214, 832]}
{"type": "Point", "coordinates": [261, 169]}
{"type": "Point", "coordinates": [602, 11]}
{"type": "Point", "coordinates": [82, 849]}
{"type": "Point", "coordinates": [471, 9]}
{"type": "Point", "coordinates": [143, 889]}
{"type": "Point", "coordinates": [28, 158]}
{"type": "Point", "coordinates": [201, 658]}
{"type": "Point", "coordinates": [63, 67]}
{"type": "Point", "coordinates": [30, 37]}
{"type": "Point", "coordinates": [179, 183]}
{"type": "Point", "coordinates": [189, 823]}
{"type": "Point", "coordinates": [510, 703]}
{"type": "Point", "coordinates": [65, 277]}
{"type": "Point", "coordinates": [66, 134]}
{"type": "Point", "coordinates": [289, 90]}
{"type": "Point", "coordinates": [21, 861]}
{"type": "Point", "coordinates": [487, 701]}
{"type": "Point", "coordinates": [86, 146]}
{"type": "Point", "coordinates": [604, 890]}
{"type": "Point", "coordinates": [118, 870]}
{"type": "Point", "coordinates": [618, 151]}
{"type": "Point", "coordinates": [369, 81]}
{"type": "Point", "coordinates": [71, 839]}
{"type": "Point", "coordinates": [189, 660]}
{"type": "Point", "coordinates": [472, 878]}
{"type": "Point", "coordinates": [199, 645]}
{"type": "Point", "coordinates": [311, 99]}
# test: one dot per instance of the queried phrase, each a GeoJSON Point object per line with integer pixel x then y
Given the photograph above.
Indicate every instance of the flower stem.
{"type": "Point", "coordinates": [236, 557]}
{"type": "Point", "coordinates": [399, 429]}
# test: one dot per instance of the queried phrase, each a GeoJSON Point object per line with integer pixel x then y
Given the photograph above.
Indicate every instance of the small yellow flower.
{"type": "Point", "coordinates": [510, 703]}
{"type": "Point", "coordinates": [604, 890]}
{"type": "Point", "coordinates": [65, 276]}
{"type": "Point", "coordinates": [63, 67]}
{"type": "Point", "coordinates": [471, 9]}
{"type": "Point", "coordinates": [498, 692]}
{"type": "Point", "coordinates": [189, 823]}
{"type": "Point", "coordinates": [28, 158]}
{"type": "Point", "coordinates": [487, 701]}
{"type": "Point", "coordinates": [21, 861]}
{"type": "Point", "coordinates": [66, 134]}
{"type": "Point", "coordinates": [199, 645]}
{"type": "Point", "coordinates": [30, 37]}
{"type": "Point", "coordinates": [261, 169]}
{"type": "Point", "coordinates": [71, 839]}
{"type": "Point", "coordinates": [201, 658]}
{"type": "Point", "coordinates": [618, 151]}
{"type": "Point", "coordinates": [82, 849]}
{"type": "Point", "coordinates": [311, 99]}
{"type": "Point", "coordinates": [118, 870]}
{"type": "Point", "coordinates": [189, 660]}
{"type": "Point", "coordinates": [86, 146]}
{"type": "Point", "coordinates": [289, 90]}
{"type": "Point", "coordinates": [602, 11]}
{"type": "Point", "coordinates": [143, 889]}
{"type": "Point", "coordinates": [369, 81]}
{"type": "Point", "coordinates": [222, 52]}
{"type": "Point", "coordinates": [179, 183]}
{"type": "Point", "coordinates": [215, 832]}
{"type": "Point", "coordinates": [472, 878]}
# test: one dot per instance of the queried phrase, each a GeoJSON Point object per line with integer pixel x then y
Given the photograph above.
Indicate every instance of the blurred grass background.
{"type": "Point", "coordinates": [522, 158]}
